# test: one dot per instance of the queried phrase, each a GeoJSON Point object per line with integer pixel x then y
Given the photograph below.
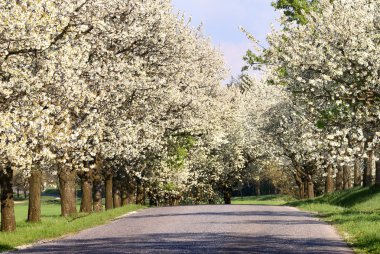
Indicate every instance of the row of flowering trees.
{"type": "Point", "coordinates": [126, 98]}
{"type": "Point", "coordinates": [326, 61]}
{"type": "Point", "coordinates": [123, 95]}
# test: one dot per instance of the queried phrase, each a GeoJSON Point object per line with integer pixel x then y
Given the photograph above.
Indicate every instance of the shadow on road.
{"type": "Point", "coordinates": [234, 214]}
{"type": "Point", "coordinates": [193, 243]}
{"type": "Point", "coordinates": [272, 222]}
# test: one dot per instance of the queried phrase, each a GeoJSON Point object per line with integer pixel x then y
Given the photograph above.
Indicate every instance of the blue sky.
{"type": "Point", "coordinates": [221, 20]}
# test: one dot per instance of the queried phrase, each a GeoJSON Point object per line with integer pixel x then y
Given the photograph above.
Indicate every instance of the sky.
{"type": "Point", "coordinates": [221, 21]}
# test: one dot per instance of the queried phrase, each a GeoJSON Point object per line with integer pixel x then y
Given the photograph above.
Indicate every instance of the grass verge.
{"type": "Point", "coordinates": [355, 213]}
{"type": "Point", "coordinates": [52, 225]}
{"type": "Point", "coordinates": [262, 200]}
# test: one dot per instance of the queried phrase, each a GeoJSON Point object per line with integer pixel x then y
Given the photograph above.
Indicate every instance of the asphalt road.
{"type": "Point", "coordinates": [205, 229]}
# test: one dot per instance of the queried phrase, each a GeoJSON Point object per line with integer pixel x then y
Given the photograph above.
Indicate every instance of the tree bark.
{"type": "Point", "coordinates": [34, 207]}
{"type": "Point", "coordinates": [97, 194]}
{"type": "Point", "coordinates": [140, 199]}
{"type": "Point", "coordinates": [329, 184]}
{"type": "Point", "coordinates": [227, 194]}
{"type": "Point", "coordinates": [258, 185]}
{"type": "Point", "coordinates": [124, 198]}
{"type": "Point", "coordinates": [8, 220]}
{"type": "Point", "coordinates": [116, 198]}
{"type": "Point", "coordinates": [86, 186]}
{"type": "Point", "coordinates": [310, 187]}
{"type": "Point", "coordinates": [129, 197]}
{"type": "Point", "coordinates": [357, 174]}
{"type": "Point", "coordinates": [108, 187]}
{"type": "Point", "coordinates": [369, 169]}
{"type": "Point", "coordinates": [339, 178]}
{"type": "Point", "coordinates": [97, 186]}
{"type": "Point", "coordinates": [346, 177]}
{"type": "Point", "coordinates": [116, 192]}
{"type": "Point", "coordinates": [68, 192]}
{"type": "Point", "coordinates": [300, 184]}
{"type": "Point", "coordinates": [377, 179]}
{"type": "Point", "coordinates": [365, 173]}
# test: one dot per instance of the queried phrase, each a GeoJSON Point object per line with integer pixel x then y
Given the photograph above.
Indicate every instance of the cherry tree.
{"type": "Point", "coordinates": [330, 66]}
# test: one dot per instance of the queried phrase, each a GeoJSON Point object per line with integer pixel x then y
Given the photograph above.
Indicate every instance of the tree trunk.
{"type": "Point", "coordinates": [305, 186]}
{"type": "Point", "coordinates": [34, 207]}
{"type": "Point", "coordinates": [339, 178]}
{"type": "Point", "coordinates": [329, 184]}
{"type": "Point", "coordinates": [300, 184]}
{"type": "Point", "coordinates": [377, 179]}
{"type": "Point", "coordinates": [139, 194]}
{"type": "Point", "coordinates": [108, 187]}
{"type": "Point", "coordinates": [116, 198]}
{"type": "Point", "coordinates": [8, 220]}
{"type": "Point", "coordinates": [357, 175]}
{"type": "Point", "coordinates": [97, 194]}
{"type": "Point", "coordinates": [369, 169]}
{"type": "Point", "coordinates": [346, 177]}
{"type": "Point", "coordinates": [144, 194]}
{"type": "Point", "coordinates": [68, 192]}
{"type": "Point", "coordinates": [258, 185]}
{"type": "Point", "coordinates": [152, 200]}
{"type": "Point", "coordinates": [227, 197]}
{"type": "Point", "coordinates": [310, 187]}
{"type": "Point", "coordinates": [124, 198]}
{"type": "Point", "coordinates": [86, 186]}
{"type": "Point", "coordinates": [301, 191]}
{"type": "Point", "coordinates": [366, 178]}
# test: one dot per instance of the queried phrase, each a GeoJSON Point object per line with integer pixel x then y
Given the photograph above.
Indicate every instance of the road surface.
{"type": "Point", "coordinates": [205, 229]}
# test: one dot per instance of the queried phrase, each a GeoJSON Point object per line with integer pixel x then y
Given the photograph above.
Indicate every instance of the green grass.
{"type": "Point", "coordinates": [355, 213]}
{"type": "Point", "coordinates": [262, 200]}
{"type": "Point", "coordinates": [52, 225]}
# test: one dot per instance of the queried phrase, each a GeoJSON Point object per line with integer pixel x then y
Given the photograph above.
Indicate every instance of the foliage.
{"type": "Point", "coordinates": [295, 10]}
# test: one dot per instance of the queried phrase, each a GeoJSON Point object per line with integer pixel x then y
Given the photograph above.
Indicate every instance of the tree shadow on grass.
{"type": "Point", "coordinates": [6, 247]}
{"type": "Point", "coordinates": [350, 215]}
{"type": "Point", "coordinates": [356, 196]}
{"type": "Point", "coordinates": [51, 202]}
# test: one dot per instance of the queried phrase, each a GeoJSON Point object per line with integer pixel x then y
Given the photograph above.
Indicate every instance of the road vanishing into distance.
{"type": "Point", "coordinates": [205, 229]}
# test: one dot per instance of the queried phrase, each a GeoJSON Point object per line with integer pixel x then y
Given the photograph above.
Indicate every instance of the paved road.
{"type": "Point", "coordinates": [205, 229]}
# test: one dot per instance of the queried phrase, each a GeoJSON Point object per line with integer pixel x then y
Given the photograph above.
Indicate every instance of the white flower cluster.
{"type": "Point", "coordinates": [330, 68]}
{"type": "Point", "coordinates": [115, 81]}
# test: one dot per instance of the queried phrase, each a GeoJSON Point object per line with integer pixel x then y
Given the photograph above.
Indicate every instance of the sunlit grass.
{"type": "Point", "coordinates": [262, 200]}
{"type": "Point", "coordinates": [52, 225]}
{"type": "Point", "coordinates": [355, 213]}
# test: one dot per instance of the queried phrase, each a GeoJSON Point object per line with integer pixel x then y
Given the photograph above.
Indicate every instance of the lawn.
{"type": "Point", "coordinates": [262, 200]}
{"type": "Point", "coordinates": [52, 225]}
{"type": "Point", "coordinates": [355, 213]}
